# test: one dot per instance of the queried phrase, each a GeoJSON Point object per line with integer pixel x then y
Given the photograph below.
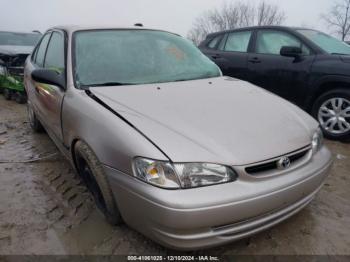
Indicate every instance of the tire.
{"type": "Point", "coordinates": [7, 94]}
{"type": "Point", "coordinates": [93, 175]}
{"type": "Point", "coordinates": [20, 98]}
{"type": "Point", "coordinates": [332, 110]}
{"type": "Point", "coordinates": [33, 120]}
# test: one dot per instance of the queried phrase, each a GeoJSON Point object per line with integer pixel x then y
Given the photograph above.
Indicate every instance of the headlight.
{"type": "Point", "coordinates": [203, 174]}
{"type": "Point", "coordinates": [184, 175]}
{"type": "Point", "coordinates": [317, 140]}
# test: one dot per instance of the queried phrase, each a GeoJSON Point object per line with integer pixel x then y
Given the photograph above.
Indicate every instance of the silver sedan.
{"type": "Point", "coordinates": [164, 142]}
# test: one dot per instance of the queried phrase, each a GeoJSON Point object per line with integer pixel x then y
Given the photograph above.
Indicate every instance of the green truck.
{"type": "Point", "coordinates": [14, 50]}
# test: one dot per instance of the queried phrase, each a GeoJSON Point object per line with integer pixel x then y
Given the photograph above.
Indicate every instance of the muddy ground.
{"type": "Point", "coordinates": [45, 209]}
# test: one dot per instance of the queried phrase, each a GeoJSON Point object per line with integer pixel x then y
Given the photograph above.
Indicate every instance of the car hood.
{"type": "Point", "coordinates": [219, 120]}
{"type": "Point", "coordinates": [15, 50]}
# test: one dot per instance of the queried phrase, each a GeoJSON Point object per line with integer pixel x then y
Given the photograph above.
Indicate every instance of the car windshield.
{"type": "Point", "coordinates": [126, 57]}
{"type": "Point", "coordinates": [18, 39]}
{"type": "Point", "coordinates": [328, 43]}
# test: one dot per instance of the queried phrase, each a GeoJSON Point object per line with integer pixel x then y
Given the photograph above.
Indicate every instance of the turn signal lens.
{"type": "Point", "coordinates": [157, 173]}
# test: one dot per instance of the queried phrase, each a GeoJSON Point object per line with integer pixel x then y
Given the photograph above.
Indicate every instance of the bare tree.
{"type": "Point", "coordinates": [339, 18]}
{"type": "Point", "coordinates": [269, 15]}
{"type": "Point", "coordinates": [234, 15]}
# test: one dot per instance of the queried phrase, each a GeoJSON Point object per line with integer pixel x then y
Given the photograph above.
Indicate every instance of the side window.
{"type": "Point", "coordinates": [213, 43]}
{"type": "Point", "coordinates": [271, 42]}
{"type": "Point", "coordinates": [55, 53]}
{"type": "Point", "coordinates": [40, 53]}
{"type": "Point", "coordinates": [238, 41]}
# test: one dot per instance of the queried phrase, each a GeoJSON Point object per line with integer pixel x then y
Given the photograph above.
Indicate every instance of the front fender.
{"type": "Point", "coordinates": [113, 140]}
{"type": "Point", "coordinates": [323, 84]}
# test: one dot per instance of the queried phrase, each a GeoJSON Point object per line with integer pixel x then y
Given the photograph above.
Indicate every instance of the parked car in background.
{"type": "Point", "coordinates": [14, 49]}
{"type": "Point", "coordinates": [163, 141]}
{"type": "Point", "coordinates": [304, 66]}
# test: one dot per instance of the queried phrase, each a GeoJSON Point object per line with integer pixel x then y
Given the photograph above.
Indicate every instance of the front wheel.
{"type": "Point", "coordinates": [332, 110]}
{"type": "Point", "coordinates": [93, 175]}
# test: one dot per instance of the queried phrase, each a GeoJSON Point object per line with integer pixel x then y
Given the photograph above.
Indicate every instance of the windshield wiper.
{"type": "Point", "coordinates": [203, 76]}
{"type": "Point", "coordinates": [110, 84]}
{"type": "Point", "coordinates": [182, 80]}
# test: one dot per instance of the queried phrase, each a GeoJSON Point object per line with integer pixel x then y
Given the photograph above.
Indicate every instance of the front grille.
{"type": "Point", "coordinates": [272, 165]}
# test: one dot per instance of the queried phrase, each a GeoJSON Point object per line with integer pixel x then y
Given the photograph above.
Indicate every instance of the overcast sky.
{"type": "Point", "coordinates": [173, 15]}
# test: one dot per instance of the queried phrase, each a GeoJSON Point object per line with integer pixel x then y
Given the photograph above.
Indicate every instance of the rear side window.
{"type": "Point", "coordinates": [238, 41]}
{"type": "Point", "coordinates": [55, 52]}
{"type": "Point", "coordinates": [214, 42]}
{"type": "Point", "coordinates": [40, 53]}
{"type": "Point", "coordinates": [271, 42]}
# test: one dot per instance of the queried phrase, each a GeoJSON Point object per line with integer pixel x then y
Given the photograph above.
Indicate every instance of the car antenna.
{"type": "Point", "coordinates": [138, 24]}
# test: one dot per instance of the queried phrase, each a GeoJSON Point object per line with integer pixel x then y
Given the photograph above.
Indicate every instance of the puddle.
{"type": "Point", "coordinates": [84, 238]}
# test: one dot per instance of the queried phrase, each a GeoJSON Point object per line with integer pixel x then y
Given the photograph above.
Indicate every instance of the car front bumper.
{"type": "Point", "coordinates": [209, 216]}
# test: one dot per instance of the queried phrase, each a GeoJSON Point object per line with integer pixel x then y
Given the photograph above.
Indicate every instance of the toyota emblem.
{"type": "Point", "coordinates": [283, 163]}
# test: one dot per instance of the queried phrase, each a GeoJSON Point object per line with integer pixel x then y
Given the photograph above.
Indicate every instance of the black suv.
{"type": "Point", "coordinates": [305, 66]}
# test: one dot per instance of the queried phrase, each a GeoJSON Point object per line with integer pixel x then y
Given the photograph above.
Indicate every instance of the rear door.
{"type": "Point", "coordinates": [231, 54]}
{"type": "Point", "coordinates": [285, 76]}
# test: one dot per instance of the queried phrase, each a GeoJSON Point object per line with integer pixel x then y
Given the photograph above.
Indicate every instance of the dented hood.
{"type": "Point", "coordinates": [11, 50]}
{"type": "Point", "coordinates": [220, 120]}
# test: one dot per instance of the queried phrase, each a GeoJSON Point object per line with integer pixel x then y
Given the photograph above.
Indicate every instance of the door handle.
{"type": "Point", "coordinates": [216, 56]}
{"type": "Point", "coordinates": [254, 60]}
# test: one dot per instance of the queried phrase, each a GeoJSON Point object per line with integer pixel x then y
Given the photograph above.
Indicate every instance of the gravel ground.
{"type": "Point", "coordinates": [45, 208]}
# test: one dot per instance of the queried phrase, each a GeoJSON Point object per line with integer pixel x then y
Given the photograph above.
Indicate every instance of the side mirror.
{"type": "Point", "coordinates": [48, 76]}
{"type": "Point", "coordinates": [291, 51]}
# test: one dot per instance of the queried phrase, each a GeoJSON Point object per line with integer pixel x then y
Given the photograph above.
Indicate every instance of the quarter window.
{"type": "Point", "coordinates": [55, 53]}
{"type": "Point", "coordinates": [271, 42]}
{"type": "Point", "coordinates": [40, 54]}
{"type": "Point", "coordinates": [238, 41]}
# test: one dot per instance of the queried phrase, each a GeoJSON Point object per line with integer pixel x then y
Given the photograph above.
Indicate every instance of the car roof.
{"type": "Point", "coordinates": [74, 28]}
{"type": "Point", "coordinates": [260, 27]}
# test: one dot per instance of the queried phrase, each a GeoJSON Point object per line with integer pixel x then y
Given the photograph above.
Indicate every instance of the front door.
{"type": "Point", "coordinates": [49, 98]}
{"type": "Point", "coordinates": [284, 76]}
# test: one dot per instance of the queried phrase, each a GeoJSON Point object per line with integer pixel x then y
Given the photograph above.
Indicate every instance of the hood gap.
{"type": "Point", "coordinates": [99, 101]}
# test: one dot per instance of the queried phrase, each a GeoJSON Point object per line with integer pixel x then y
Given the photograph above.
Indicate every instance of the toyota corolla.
{"type": "Point", "coordinates": [164, 142]}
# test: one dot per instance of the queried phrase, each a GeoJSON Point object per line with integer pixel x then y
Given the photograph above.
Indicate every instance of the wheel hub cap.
{"type": "Point", "coordinates": [334, 115]}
